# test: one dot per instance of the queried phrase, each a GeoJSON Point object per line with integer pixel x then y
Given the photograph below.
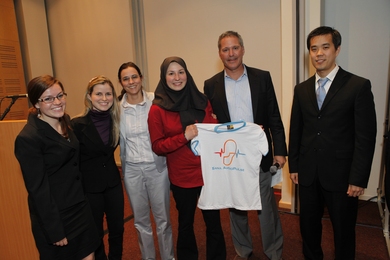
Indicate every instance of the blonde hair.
{"type": "Point", "coordinates": [114, 110]}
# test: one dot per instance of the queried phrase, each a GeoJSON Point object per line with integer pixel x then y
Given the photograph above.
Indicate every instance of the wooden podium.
{"type": "Point", "coordinates": [16, 241]}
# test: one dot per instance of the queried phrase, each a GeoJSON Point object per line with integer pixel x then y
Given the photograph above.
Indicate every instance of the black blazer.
{"type": "Point", "coordinates": [51, 174]}
{"type": "Point", "coordinates": [264, 105]}
{"type": "Point", "coordinates": [97, 162]}
{"type": "Point", "coordinates": [338, 141]}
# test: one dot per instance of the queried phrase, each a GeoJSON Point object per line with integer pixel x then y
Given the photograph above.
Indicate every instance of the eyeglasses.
{"type": "Point", "coordinates": [48, 100]}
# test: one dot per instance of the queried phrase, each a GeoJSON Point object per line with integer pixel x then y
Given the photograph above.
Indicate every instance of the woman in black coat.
{"type": "Point", "coordinates": [98, 133]}
{"type": "Point", "coordinates": [48, 153]}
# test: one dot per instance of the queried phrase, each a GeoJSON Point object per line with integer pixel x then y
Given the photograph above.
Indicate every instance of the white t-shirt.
{"type": "Point", "coordinates": [231, 154]}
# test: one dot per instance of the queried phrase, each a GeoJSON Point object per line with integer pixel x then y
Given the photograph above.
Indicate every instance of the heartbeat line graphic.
{"type": "Point", "coordinates": [229, 151]}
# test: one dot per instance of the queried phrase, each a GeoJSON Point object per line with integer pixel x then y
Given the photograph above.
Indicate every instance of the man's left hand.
{"type": "Point", "coordinates": [355, 191]}
{"type": "Point", "coordinates": [280, 159]}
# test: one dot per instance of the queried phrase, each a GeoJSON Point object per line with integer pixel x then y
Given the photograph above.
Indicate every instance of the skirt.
{"type": "Point", "coordinates": [81, 233]}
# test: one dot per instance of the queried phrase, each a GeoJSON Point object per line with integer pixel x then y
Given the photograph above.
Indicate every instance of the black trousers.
{"type": "Point", "coordinates": [186, 200]}
{"type": "Point", "coordinates": [342, 212]}
{"type": "Point", "coordinates": [111, 203]}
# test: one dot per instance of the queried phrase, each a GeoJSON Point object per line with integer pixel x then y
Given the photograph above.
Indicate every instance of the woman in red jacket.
{"type": "Point", "coordinates": [177, 106]}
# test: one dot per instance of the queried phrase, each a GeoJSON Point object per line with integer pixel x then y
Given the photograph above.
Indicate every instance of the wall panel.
{"type": "Point", "coordinates": [16, 240]}
{"type": "Point", "coordinates": [11, 66]}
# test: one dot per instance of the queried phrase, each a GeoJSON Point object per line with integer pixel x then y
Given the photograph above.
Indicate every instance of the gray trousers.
{"type": "Point", "coordinates": [271, 227]}
{"type": "Point", "coordinates": [149, 189]}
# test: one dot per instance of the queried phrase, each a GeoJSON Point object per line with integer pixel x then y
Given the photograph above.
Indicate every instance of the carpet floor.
{"type": "Point", "coordinates": [371, 244]}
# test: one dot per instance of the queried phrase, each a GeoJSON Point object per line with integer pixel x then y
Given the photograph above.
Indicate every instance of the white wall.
{"type": "Point", "coordinates": [190, 29]}
{"type": "Point", "coordinates": [88, 39]}
{"type": "Point", "coordinates": [365, 51]}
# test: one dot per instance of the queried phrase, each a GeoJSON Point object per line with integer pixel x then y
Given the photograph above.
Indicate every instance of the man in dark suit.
{"type": "Point", "coordinates": [243, 93]}
{"type": "Point", "coordinates": [331, 146]}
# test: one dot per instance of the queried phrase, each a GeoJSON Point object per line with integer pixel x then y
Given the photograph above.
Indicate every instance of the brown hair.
{"type": "Point", "coordinates": [35, 89]}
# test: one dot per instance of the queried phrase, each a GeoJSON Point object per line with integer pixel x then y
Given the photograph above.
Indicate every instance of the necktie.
{"type": "Point", "coordinates": [321, 93]}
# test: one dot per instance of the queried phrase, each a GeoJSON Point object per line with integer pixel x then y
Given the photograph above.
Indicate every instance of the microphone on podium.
{"type": "Point", "coordinates": [17, 96]}
{"type": "Point", "coordinates": [14, 98]}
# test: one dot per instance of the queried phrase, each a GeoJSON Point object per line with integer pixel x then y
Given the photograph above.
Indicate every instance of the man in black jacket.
{"type": "Point", "coordinates": [243, 93]}
{"type": "Point", "coordinates": [331, 146]}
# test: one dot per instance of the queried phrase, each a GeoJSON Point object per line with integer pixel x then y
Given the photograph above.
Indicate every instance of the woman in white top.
{"type": "Point", "coordinates": [145, 174]}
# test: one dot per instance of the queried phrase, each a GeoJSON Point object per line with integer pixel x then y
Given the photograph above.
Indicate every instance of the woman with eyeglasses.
{"type": "Point", "coordinates": [48, 153]}
{"type": "Point", "coordinates": [97, 130]}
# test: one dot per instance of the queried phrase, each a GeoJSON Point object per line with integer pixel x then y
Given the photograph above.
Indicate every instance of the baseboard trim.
{"type": "Point", "coordinates": [284, 205]}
